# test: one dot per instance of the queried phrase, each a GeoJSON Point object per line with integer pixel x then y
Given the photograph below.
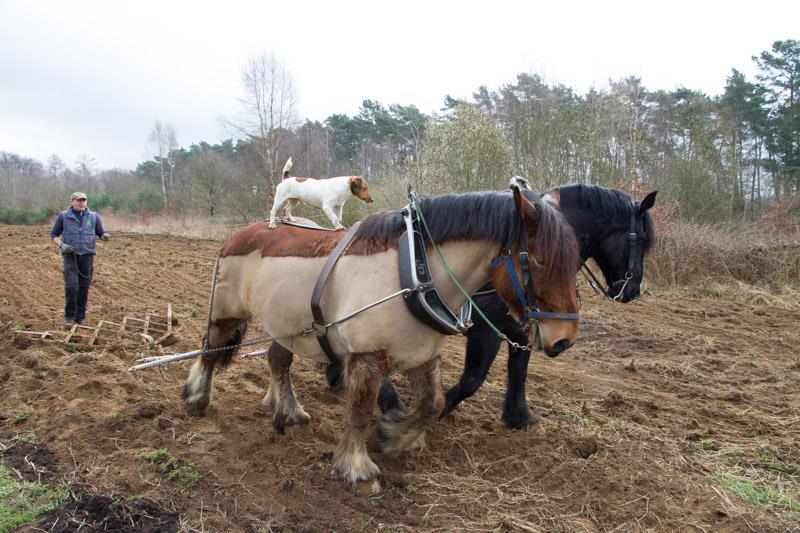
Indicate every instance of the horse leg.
{"type": "Point", "coordinates": [333, 375]}
{"type": "Point", "coordinates": [397, 430]}
{"type": "Point", "coordinates": [227, 332]}
{"type": "Point", "coordinates": [516, 413]}
{"type": "Point", "coordinates": [286, 410]}
{"type": "Point", "coordinates": [362, 375]}
{"type": "Point", "coordinates": [389, 399]}
{"type": "Point", "coordinates": [482, 347]}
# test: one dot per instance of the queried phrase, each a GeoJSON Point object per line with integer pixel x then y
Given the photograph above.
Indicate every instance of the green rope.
{"type": "Point", "coordinates": [413, 197]}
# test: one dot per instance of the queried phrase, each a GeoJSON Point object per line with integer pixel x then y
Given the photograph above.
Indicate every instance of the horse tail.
{"type": "Point", "coordinates": [211, 303]}
{"type": "Point", "coordinates": [286, 168]}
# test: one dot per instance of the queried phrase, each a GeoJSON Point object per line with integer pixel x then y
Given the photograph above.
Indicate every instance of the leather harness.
{"type": "Point", "coordinates": [319, 288]}
{"type": "Point", "coordinates": [419, 290]}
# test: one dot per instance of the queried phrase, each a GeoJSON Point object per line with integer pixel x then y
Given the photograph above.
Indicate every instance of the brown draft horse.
{"type": "Point", "coordinates": [268, 276]}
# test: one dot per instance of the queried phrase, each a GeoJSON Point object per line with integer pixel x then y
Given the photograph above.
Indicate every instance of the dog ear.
{"type": "Point", "coordinates": [356, 184]}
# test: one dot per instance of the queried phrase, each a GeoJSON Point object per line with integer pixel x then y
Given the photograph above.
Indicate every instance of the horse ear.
{"type": "Point", "coordinates": [520, 182]}
{"type": "Point", "coordinates": [648, 202]}
{"type": "Point", "coordinates": [525, 208]}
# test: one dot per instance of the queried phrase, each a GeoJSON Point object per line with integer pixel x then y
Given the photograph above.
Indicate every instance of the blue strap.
{"type": "Point", "coordinates": [514, 282]}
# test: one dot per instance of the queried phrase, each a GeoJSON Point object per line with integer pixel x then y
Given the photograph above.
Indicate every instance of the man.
{"type": "Point", "coordinates": [74, 233]}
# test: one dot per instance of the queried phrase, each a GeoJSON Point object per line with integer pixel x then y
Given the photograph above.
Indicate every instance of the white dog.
{"type": "Point", "coordinates": [329, 194]}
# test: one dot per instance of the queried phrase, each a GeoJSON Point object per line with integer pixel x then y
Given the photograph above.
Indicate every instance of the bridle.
{"type": "Point", "coordinates": [595, 283]}
{"type": "Point", "coordinates": [526, 295]}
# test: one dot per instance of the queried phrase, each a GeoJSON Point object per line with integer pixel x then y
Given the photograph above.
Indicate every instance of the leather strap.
{"type": "Point", "coordinates": [319, 288]}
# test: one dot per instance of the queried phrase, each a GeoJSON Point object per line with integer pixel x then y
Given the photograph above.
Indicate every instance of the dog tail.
{"type": "Point", "coordinates": [286, 168]}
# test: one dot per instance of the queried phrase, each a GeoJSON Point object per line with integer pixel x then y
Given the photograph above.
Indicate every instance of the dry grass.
{"type": "Point", "coordinates": [689, 253]}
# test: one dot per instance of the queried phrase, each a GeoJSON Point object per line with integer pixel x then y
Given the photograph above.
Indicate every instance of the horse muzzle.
{"type": "Point", "coordinates": [557, 348]}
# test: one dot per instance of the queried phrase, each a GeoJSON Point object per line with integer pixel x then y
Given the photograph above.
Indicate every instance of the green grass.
{"type": "Point", "coordinates": [29, 438]}
{"type": "Point", "coordinates": [757, 477]}
{"type": "Point", "coordinates": [21, 501]}
{"type": "Point", "coordinates": [771, 496]}
{"type": "Point", "coordinates": [173, 469]}
{"type": "Point", "coordinates": [23, 414]}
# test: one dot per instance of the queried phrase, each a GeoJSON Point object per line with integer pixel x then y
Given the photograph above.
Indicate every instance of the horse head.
{"type": "Point", "coordinates": [620, 254]}
{"type": "Point", "coordinates": [551, 251]}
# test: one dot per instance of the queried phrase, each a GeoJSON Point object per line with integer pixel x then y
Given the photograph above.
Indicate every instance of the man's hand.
{"type": "Point", "coordinates": [105, 236]}
{"type": "Point", "coordinates": [67, 249]}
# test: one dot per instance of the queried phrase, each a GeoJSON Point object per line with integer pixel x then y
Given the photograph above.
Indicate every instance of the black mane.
{"type": "Point", "coordinates": [489, 216]}
{"type": "Point", "coordinates": [610, 208]}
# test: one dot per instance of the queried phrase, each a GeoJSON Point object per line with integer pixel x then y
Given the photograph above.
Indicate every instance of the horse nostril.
{"type": "Point", "coordinates": [561, 345]}
{"type": "Point", "coordinates": [558, 347]}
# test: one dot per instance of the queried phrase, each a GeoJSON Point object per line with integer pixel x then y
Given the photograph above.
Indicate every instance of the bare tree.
{"type": "Point", "coordinates": [268, 110]}
{"type": "Point", "coordinates": [85, 170]}
{"type": "Point", "coordinates": [210, 178]}
{"type": "Point", "coordinates": [163, 140]}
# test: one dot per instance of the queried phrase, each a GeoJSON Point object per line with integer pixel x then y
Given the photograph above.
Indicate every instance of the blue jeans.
{"type": "Point", "coordinates": [78, 271]}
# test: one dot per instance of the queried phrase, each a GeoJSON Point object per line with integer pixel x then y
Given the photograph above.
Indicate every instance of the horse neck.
{"type": "Point", "coordinates": [469, 261]}
{"type": "Point", "coordinates": [590, 226]}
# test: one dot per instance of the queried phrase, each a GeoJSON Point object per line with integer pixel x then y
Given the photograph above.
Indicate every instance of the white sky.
{"type": "Point", "coordinates": [91, 77]}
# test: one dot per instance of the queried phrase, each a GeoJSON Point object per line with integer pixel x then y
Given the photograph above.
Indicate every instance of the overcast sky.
{"type": "Point", "coordinates": [81, 77]}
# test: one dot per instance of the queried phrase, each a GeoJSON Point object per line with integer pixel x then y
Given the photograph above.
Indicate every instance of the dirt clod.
{"type": "Point", "coordinates": [614, 398]}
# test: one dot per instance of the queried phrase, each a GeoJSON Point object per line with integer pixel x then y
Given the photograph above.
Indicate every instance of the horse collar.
{"type": "Point", "coordinates": [422, 298]}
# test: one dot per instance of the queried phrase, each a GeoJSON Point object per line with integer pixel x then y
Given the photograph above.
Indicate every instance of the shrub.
{"type": "Point", "coordinates": [27, 216]}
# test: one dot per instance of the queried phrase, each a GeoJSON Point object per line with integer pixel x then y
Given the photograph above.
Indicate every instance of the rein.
{"type": "Point", "coordinates": [319, 327]}
{"type": "Point", "coordinates": [595, 283]}
{"type": "Point", "coordinates": [531, 311]}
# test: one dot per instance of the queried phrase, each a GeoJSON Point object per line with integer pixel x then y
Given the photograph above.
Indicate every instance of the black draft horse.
{"type": "Point", "coordinates": [603, 220]}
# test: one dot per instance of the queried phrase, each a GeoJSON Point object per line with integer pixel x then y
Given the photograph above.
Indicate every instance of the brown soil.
{"type": "Point", "coordinates": [642, 421]}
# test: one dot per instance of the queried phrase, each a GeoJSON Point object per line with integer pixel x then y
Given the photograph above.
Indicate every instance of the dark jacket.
{"type": "Point", "coordinates": [79, 231]}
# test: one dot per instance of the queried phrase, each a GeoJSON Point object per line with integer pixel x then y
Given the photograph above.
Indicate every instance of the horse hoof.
{"type": "Point", "coordinates": [281, 421]}
{"type": "Point", "coordinates": [520, 421]}
{"type": "Point", "coordinates": [367, 488]}
{"type": "Point", "coordinates": [419, 443]}
{"type": "Point", "coordinates": [299, 419]}
{"type": "Point", "coordinates": [196, 410]}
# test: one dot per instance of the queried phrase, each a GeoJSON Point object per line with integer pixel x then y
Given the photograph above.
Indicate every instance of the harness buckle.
{"type": "Point", "coordinates": [318, 328]}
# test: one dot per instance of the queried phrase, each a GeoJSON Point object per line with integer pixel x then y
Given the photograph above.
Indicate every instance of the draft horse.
{"type": "Point", "coordinates": [268, 276]}
{"type": "Point", "coordinates": [613, 229]}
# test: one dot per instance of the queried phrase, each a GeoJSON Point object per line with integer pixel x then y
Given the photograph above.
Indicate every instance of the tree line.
{"type": "Point", "coordinates": [716, 157]}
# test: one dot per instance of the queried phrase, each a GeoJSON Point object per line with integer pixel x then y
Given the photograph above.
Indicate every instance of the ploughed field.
{"type": "Point", "coordinates": [677, 412]}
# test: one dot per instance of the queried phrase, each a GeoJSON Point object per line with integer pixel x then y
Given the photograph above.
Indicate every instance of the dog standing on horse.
{"type": "Point", "coordinates": [328, 194]}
